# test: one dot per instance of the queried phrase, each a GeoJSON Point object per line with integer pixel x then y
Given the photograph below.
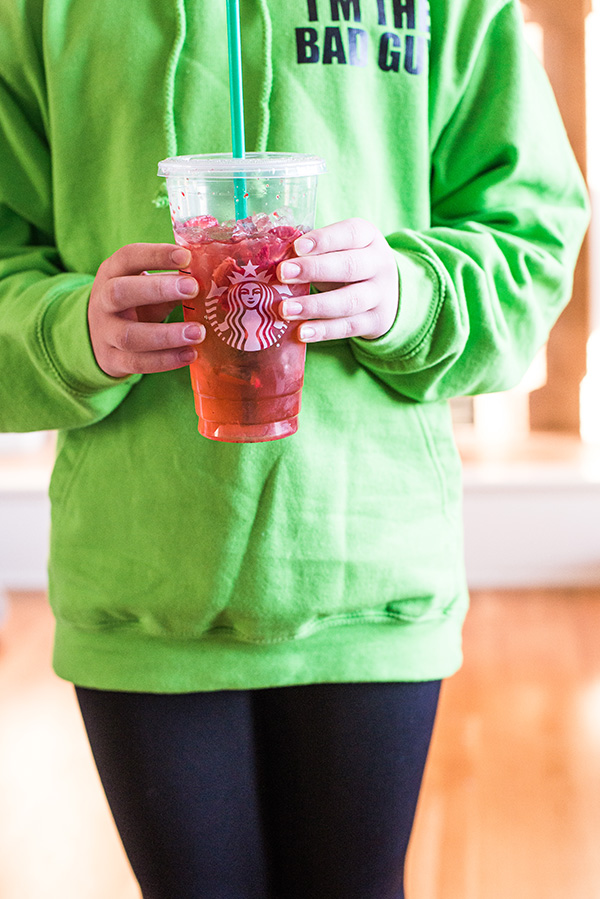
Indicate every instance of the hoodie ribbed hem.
{"type": "Point", "coordinates": [119, 659]}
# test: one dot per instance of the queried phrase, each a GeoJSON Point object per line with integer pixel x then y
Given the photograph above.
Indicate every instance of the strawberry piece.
{"type": "Point", "coordinates": [263, 258]}
{"type": "Point", "coordinates": [222, 272]}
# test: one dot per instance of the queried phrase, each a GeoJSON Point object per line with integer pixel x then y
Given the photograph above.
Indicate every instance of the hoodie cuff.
{"type": "Point", "coordinates": [421, 294]}
{"type": "Point", "coordinates": [64, 336]}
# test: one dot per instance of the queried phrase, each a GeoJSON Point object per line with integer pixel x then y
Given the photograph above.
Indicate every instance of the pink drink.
{"type": "Point", "coordinates": [248, 377]}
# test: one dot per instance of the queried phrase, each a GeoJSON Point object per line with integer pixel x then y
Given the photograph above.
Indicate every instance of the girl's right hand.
{"type": "Point", "coordinates": [128, 306]}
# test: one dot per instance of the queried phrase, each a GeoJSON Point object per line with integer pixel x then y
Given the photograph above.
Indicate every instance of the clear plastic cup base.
{"type": "Point", "coordinates": [232, 433]}
{"type": "Point", "coordinates": [239, 429]}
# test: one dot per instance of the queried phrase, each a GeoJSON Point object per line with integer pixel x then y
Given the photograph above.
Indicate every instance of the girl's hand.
{"type": "Point", "coordinates": [127, 309]}
{"type": "Point", "coordinates": [353, 267]}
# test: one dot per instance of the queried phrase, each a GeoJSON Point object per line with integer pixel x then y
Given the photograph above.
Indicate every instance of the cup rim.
{"type": "Point", "coordinates": [259, 165]}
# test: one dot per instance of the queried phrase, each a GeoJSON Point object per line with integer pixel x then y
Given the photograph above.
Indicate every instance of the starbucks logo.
{"type": "Point", "coordinates": [244, 314]}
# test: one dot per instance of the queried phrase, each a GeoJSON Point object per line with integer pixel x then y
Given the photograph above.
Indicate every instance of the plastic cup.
{"type": "Point", "coordinates": [248, 377]}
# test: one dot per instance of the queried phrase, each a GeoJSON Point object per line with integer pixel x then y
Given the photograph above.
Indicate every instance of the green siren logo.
{"type": "Point", "coordinates": [244, 315]}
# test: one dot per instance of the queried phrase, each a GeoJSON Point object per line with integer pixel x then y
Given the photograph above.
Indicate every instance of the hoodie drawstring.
{"type": "Point", "coordinates": [267, 86]}
{"type": "Point", "coordinates": [161, 198]}
{"type": "Point", "coordinates": [172, 64]}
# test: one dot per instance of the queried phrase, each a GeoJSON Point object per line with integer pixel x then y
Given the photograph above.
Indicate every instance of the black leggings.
{"type": "Point", "coordinates": [288, 793]}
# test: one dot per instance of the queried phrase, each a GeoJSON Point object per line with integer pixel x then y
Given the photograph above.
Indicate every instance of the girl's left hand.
{"type": "Point", "coordinates": [353, 268]}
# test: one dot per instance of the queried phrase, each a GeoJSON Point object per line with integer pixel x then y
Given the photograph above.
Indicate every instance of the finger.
{"type": "Point", "coordinates": [129, 291]}
{"type": "Point", "coordinates": [141, 337]}
{"type": "Point", "coordinates": [135, 258]}
{"type": "Point", "coordinates": [340, 267]}
{"type": "Point", "coordinates": [363, 325]}
{"type": "Point", "coordinates": [120, 365]}
{"type": "Point", "coordinates": [344, 302]}
{"type": "Point", "coordinates": [350, 234]}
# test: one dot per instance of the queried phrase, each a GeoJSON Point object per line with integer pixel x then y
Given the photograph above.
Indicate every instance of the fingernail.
{"type": "Point", "coordinates": [289, 270]}
{"type": "Point", "coordinates": [193, 333]}
{"type": "Point", "coordinates": [304, 245]}
{"type": "Point", "coordinates": [187, 286]}
{"type": "Point", "coordinates": [307, 333]}
{"type": "Point", "coordinates": [181, 257]}
{"type": "Point", "coordinates": [290, 308]}
{"type": "Point", "coordinates": [188, 356]}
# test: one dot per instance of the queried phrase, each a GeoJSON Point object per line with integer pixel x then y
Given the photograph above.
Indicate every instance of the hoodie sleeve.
{"type": "Point", "coordinates": [481, 288]}
{"type": "Point", "coordinates": [49, 377]}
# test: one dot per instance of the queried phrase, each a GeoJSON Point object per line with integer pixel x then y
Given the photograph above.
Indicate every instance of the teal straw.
{"type": "Point", "coordinates": [236, 96]}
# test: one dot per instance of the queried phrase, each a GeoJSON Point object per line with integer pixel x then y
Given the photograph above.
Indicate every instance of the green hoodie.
{"type": "Point", "coordinates": [178, 563]}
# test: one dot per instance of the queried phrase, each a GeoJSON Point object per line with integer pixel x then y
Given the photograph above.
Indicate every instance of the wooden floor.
{"type": "Point", "coordinates": [511, 801]}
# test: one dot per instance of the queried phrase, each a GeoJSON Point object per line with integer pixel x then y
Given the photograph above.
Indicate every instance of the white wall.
{"type": "Point", "coordinates": [536, 526]}
{"type": "Point", "coordinates": [24, 527]}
